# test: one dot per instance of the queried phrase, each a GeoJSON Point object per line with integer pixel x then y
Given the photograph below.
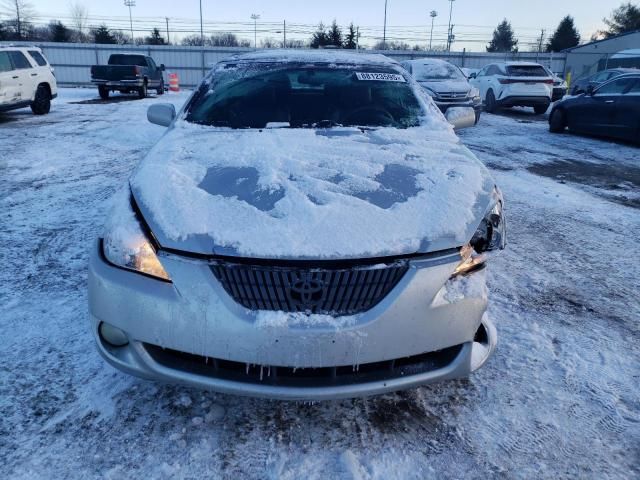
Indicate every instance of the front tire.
{"type": "Point", "coordinates": [540, 109]}
{"type": "Point", "coordinates": [557, 121]}
{"type": "Point", "coordinates": [490, 102]}
{"type": "Point", "coordinates": [104, 92]}
{"type": "Point", "coordinates": [142, 91]}
{"type": "Point", "coordinates": [41, 105]}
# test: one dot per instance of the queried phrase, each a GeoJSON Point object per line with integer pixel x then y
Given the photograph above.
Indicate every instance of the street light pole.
{"type": "Point", "coordinates": [433, 15]}
{"type": "Point", "coordinates": [255, 18]}
{"type": "Point", "coordinates": [168, 39]}
{"type": "Point", "coordinates": [384, 34]}
{"type": "Point", "coordinates": [201, 28]}
{"type": "Point", "coordinates": [130, 3]}
{"type": "Point", "coordinates": [449, 31]}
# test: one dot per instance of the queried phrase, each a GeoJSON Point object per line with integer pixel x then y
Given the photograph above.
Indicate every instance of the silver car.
{"type": "Point", "coordinates": [309, 227]}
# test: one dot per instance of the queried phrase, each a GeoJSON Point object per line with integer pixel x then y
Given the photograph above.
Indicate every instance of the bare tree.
{"type": "Point", "coordinates": [20, 13]}
{"type": "Point", "coordinates": [79, 17]}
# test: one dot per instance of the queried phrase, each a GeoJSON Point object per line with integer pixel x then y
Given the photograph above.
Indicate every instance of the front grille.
{"type": "Point", "coordinates": [334, 291]}
{"type": "Point", "coordinates": [303, 377]}
{"type": "Point", "coordinates": [453, 97]}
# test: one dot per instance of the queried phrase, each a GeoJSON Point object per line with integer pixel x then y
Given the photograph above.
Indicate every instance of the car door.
{"type": "Point", "coordinates": [597, 114]}
{"type": "Point", "coordinates": [26, 74]}
{"type": "Point", "coordinates": [9, 85]}
{"type": "Point", "coordinates": [154, 79]}
{"type": "Point", "coordinates": [480, 82]}
{"type": "Point", "coordinates": [627, 113]}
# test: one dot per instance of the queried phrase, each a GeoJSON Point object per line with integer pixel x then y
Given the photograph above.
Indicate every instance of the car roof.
{"type": "Point", "coordinates": [426, 61]}
{"type": "Point", "coordinates": [17, 47]}
{"type": "Point", "coordinates": [315, 56]}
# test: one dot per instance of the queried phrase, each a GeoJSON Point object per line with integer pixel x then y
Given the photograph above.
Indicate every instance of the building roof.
{"type": "Point", "coordinates": [600, 41]}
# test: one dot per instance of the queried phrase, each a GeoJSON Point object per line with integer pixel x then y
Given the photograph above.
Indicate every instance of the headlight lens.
{"type": "Point", "coordinates": [125, 245]}
{"type": "Point", "coordinates": [475, 94]}
{"type": "Point", "coordinates": [491, 236]}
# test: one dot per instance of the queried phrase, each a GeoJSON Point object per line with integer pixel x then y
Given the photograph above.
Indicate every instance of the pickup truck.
{"type": "Point", "coordinates": [126, 73]}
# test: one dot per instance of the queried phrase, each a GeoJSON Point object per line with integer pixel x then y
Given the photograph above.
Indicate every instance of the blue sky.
{"type": "Point", "coordinates": [474, 19]}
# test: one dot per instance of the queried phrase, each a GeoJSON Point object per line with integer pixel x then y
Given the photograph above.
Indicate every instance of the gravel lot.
{"type": "Point", "coordinates": [560, 399]}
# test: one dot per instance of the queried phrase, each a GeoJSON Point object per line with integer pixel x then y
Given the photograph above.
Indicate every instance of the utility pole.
{"type": "Point", "coordinates": [130, 3]}
{"type": "Point", "coordinates": [167, 20]}
{"type": "Point", "coordinates": [201, 30]}
{"type": "Point", "coordinates": [541, 41]}
{"type": "Point", "coordinates": [255, 18]}
{"type": "Point", "coordinates": [384, 34]}
{"type": "Point", "coordinates": [357, 38]}
{"type": "Point", "coordinates": [450, 29]}
{"type": "Point", "coordinates": [284, 33]}
{"type": "Point", "coordinates": [433, 15]}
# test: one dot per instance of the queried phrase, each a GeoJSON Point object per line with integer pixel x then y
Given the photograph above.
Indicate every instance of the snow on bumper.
{"type": "Point", "coordinates": [173, 326]}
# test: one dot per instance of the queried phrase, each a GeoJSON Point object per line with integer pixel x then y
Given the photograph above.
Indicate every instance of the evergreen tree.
{"type": "Point", "coordinates": [335, 35]}
{"type": "Point", "coordinates": [565, 36]}
{"type": "Point", "coordinates": [503, 39]}
{"type": "Point", "coordinates": [320, 37]}
{"type": "Point", "coordinates": [59, 32]}
{"type": "Point", "coordinates": [4, 33]}
{"type": "Point", "coordinates": [155, 38]}
{"type": "Point", "coordinates": [351, 40]}
{"type": "Point", "coordinates": [625, 18]}
{"type": "Point", "coordinates": [103, 35]}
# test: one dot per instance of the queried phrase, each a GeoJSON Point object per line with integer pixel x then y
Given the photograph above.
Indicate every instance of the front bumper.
{"type": "Point", "coordinates": [192, 332]}
{"type": "Point", "coordinates": [117, 84]}
{"type": "Point", "coordinates": [444, 106]}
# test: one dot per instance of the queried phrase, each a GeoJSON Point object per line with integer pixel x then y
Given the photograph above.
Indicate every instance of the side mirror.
{"type": "Point", "coordinates": [461, 117]}
{"type": "Point", "coordinates": [161, 114]}
{"type": "Point", "coordinates": [472, 75]}
{"type": "Point", "coordinates": [590, 89]}
{"type": "Point", "coordinates": [162, 67]}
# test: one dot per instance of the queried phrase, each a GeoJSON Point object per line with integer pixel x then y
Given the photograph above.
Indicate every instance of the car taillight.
{"type": "Point", "coordinates": [549, 81]}
{"type": "Point", "coordinates": [505, 81]}
{"type": "Point", "coordinates": [137, 70]}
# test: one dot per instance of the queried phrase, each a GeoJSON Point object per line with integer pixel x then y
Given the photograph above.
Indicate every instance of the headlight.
{"type": "Point", "coordinates": [125, 244]}
{"type": "Point", "coordinates": [475, 94]}
{"type": "Point", "coordinates": [430, 92]}
{"type": "Point", "coordinates": [491, 236]}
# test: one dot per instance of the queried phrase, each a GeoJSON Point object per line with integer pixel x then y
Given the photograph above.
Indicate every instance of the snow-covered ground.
{"type": "Point", "coordinates": [560, 398]}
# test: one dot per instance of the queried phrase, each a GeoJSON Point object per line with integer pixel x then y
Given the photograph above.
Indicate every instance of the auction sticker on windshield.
{"type": "Point", "coordinates": [381, 77]}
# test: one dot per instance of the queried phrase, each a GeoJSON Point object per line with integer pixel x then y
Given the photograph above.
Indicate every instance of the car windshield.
{"type": "Point", "coordinates": [304, 96]}
{"type": "Point", "coordinates": [526, 71]}
{"type": "Point", "coordinates": [430, 72]}
{"type": "Point", "coordinates": [138, 60]}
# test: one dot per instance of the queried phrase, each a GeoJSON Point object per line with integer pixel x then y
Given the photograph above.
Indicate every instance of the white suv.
{"type": "Point", "coordinates": [26, 79]}
{"type": "Point", "coordinates": [510, 84]}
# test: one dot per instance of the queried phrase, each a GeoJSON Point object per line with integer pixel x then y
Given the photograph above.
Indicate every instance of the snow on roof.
{"type": "Point", "coordinates": [324, 56]}
{"type": "Point", "coordinates": [632, 52]}
{"type": "Point", "coordinates": [426, 61]}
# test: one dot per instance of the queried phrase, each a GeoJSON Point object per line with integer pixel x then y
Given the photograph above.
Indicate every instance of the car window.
{"type": "Point", "coordinates": [39, 59]}
{"type": "Point", "coordinates": [482, 72]}
{"type": "Point", "coordinates": [429, 72]}
{"type": "Point", "coordinates": [152, 64]}
{"type": "Point", "coordinates": [635, 88]}
{"type": "Point", "coordinates": [615, 87]}
{"type": "Point", "coordinates": [5, 63]}
{"type": "Point", "coordinates": [526, 71]}
{"type": "Point", "coordinates": [138, 60]}
{"type": "Point", "coordinates": [19, 60]}
{"type": "Point", "coordinates": [302, 96]}
{"type": "Point", "coordinates": [603, 76]}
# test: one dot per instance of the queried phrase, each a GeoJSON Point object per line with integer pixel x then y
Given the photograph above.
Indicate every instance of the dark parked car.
{"type": "Point", "coordinates": [128, 73]}
{"type": "Point", "coordinates": [582, 84]}
{"type": "Point", "coordinates": [611, 110]}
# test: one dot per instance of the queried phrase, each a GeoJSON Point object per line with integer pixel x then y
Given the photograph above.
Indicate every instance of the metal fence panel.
{"type": "Point", "coordinates": [72, 61]}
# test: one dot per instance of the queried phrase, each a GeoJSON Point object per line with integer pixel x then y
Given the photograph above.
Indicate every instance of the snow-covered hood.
{"type": "Point", "coordinates": [304, 193]}
{"type": "Point", "coordinates": [447, 86]}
